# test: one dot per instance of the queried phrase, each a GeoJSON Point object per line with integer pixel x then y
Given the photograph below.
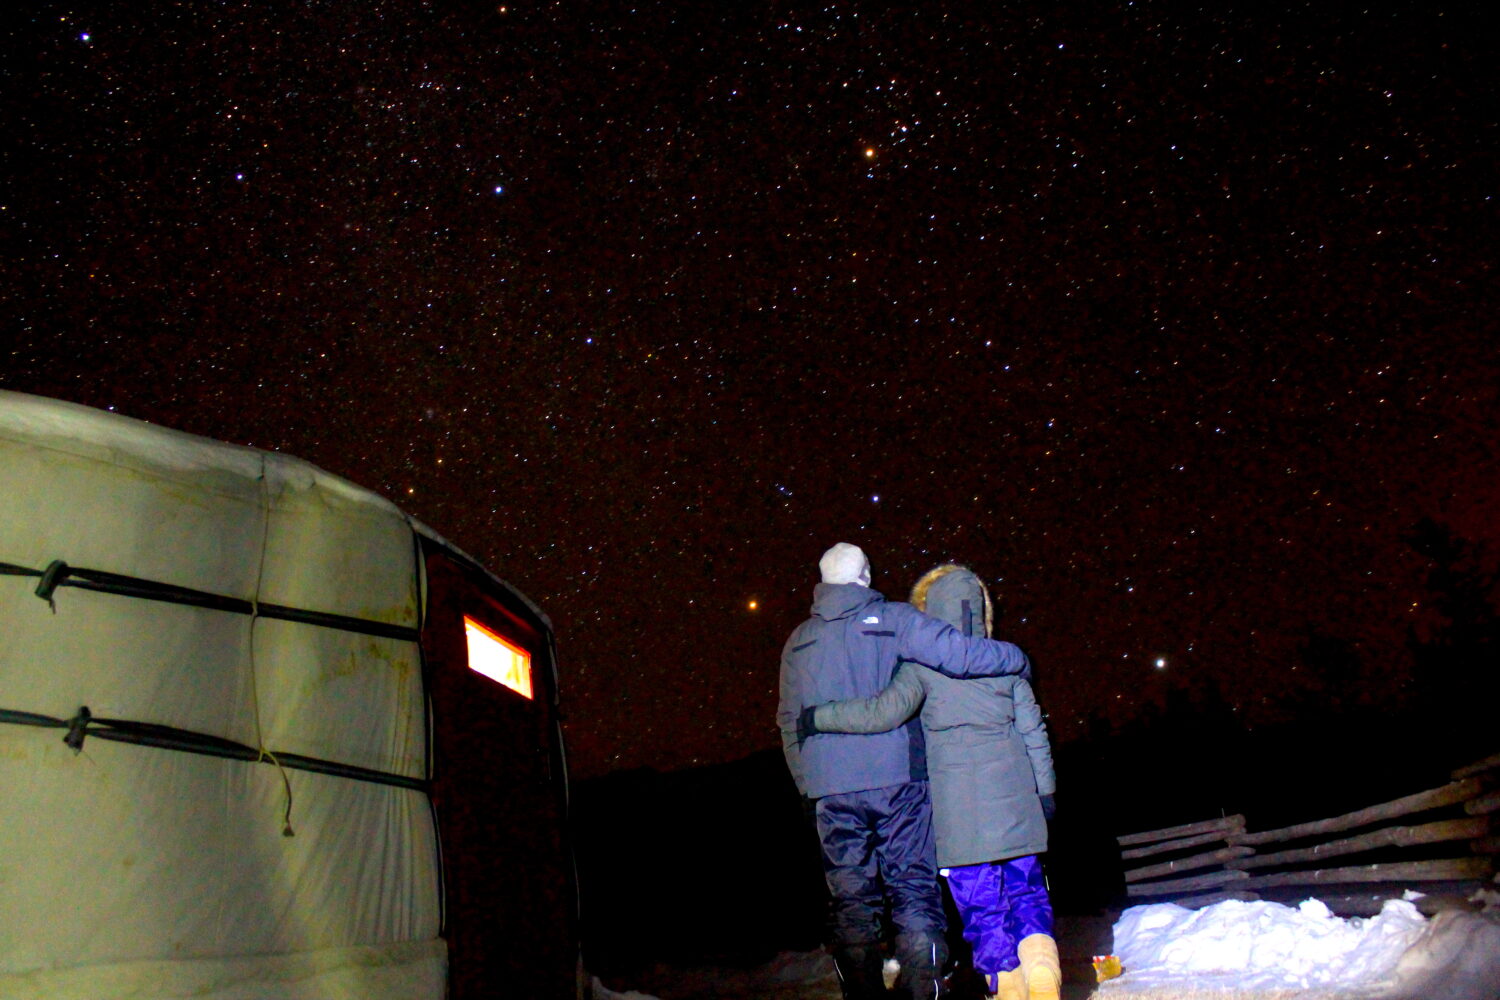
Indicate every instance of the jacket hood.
{"type": "Point", "coordinates": [923, 587]}
{"type": "Point", "coordinates": [832, 601]}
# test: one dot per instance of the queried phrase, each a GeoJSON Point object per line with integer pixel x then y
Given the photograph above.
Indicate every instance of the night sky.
{"type": "Point", "coordinates": [1174, 324]}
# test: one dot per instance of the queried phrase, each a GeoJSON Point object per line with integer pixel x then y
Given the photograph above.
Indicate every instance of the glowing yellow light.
{"type": "Point", "coordinates": [753, 605]}
{"type": "Point", "coordinates": [870, 153]}
{"type": "Point", "coordinates": [498, 658]}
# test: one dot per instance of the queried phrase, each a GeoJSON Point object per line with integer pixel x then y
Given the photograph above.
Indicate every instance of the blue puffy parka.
{"type": "Point", "coordinates": [849, 648]}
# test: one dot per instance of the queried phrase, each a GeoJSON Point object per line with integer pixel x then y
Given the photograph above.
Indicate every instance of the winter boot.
{"type": "Point", "coordinates": [860, 969]}
{"type": "Point", "coordinates": [922, 957]}
{"type": "Point", "coordinates": [1041, 966]}
{"type": "Point", "coordinates": [1006, 985]}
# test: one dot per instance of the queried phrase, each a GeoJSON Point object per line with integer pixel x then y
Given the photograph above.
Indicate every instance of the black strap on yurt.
{"type": "Point", "coordinates": [84, 724]}
{"type": "Point", "coordinates": [60, 574]}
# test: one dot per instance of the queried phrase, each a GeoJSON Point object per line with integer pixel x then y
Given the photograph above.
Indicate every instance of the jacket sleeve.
{"type": "Point", "coordinates": [936, 644]}
{"type": "Point", "coordinates": [787, 709]}
{"type": "Point", "coordinates": [1034, 733]}
{"type": "Point", "coordinates": [877, 713]}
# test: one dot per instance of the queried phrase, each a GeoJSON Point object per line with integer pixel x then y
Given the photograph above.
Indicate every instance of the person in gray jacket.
{"type": "Point", "coordinates": [992, 783]}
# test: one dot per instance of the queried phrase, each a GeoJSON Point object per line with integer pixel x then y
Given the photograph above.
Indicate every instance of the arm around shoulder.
{"type": "Point", "coordinates": [936, 644]}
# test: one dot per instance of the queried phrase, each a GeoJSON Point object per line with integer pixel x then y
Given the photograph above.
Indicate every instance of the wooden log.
{"type": "Point", "coordinates": [1225, 824]}
{"type": "Point", "coordinates": [1401, 871]}
{"type": "Point", "coordinates": [1368, 904]}
{"type": "Point", "coordinates": [1484, 805]}
{"type": "Point", "coordinates": [1485, 845]}
{"type": "Point", "coordinates": [1177, 885]}
{"type": "Point", "coordinates": [1172, 845]}
{"type": "Point", "coordinates": [1204, 860]}
{"type": "Point", "coordinates": [1458, 791]}
{"type": "Point", "coordinates": [1391, 836]}
{"type": "Point", "coordinates": [1292, 895]}
{"type": "Point", "coordinates": [1490, 763]}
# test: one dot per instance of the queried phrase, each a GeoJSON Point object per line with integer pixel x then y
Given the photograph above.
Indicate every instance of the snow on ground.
{"type": "Point", "coordinates": [789, 976]}
{"type": "Point", "coordinates": [1262, 945]}
{"type": "Point", "coordinates": [598, 991]}
{"type": "Point", "coordinates": [1229, 951]}
{"type": "Point", "coordinates": [810, 975]}
{"type": "Point", "coordinates": [1266, 950]}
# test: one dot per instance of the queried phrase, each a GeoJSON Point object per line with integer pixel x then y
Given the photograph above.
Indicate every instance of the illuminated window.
{"type": "Point", "coordinates": [498, 658]}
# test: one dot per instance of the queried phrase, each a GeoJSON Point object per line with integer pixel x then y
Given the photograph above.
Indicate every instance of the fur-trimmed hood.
{"type": "Point", "coordinates": [923, 587]}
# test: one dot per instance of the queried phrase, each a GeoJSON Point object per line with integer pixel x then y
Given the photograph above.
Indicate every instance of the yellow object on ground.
{"type": "Point", "coordinates": [1106, 967]}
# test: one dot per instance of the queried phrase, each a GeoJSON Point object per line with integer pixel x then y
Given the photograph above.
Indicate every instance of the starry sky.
{"type": "Point", "coordinates": [1170, 322]}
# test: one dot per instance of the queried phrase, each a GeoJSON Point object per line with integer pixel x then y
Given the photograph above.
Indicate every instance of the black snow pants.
{"type": "Point", "coordinates": [878, 845]}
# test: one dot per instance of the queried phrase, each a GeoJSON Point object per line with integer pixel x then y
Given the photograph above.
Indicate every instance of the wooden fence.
{"type": "Point", "coordinates": [1459, 816]}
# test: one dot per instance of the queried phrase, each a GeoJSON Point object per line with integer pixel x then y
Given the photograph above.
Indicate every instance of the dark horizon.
{"type": "Point", "coordinates": [1179, 328]}
{"type": "Point", "coordinates": [632, 826]}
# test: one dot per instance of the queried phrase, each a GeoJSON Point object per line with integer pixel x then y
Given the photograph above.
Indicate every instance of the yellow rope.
{"type": "Point", "coordinates": [260, 741]}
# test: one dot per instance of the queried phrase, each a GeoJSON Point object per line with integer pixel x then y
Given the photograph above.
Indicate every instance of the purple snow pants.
{"type": "Point", "coordinates": [1001, 902]}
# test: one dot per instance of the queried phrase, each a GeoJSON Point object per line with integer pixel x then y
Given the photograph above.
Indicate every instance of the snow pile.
{"type": "Point", "coordinates": [598, 991]}
{"type": "Point", "coordinates": [1457, 959]}
{"type": "Point", "coordinates": [1260, 946]}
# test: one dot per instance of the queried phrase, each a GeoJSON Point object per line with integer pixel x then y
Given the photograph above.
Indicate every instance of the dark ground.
{"type": "Point", "coordinates": [716, 866]}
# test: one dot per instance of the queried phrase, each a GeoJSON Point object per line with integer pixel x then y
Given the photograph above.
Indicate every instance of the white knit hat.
{"type": "Point", "coordinates": [845, 563]}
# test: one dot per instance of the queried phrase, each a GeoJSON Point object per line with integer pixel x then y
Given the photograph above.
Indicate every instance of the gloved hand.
{"type": "Point", "coordinates": [807, 724]}
{"type": "Point", "coordinates": [1049, 807]}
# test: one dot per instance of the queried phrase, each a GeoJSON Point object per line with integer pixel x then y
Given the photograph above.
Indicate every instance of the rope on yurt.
{"type": "Point", "coordinates": [260, 572]}
{"type": "Point", "coordinates": [58, 573]}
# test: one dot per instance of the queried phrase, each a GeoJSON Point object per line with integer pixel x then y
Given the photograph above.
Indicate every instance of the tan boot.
{"type": "Point", "coordinates": [1006, 985]}
{"type": "Point", "coordinates": [1041, 966]}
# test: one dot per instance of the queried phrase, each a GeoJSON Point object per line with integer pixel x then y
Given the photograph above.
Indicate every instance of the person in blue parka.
{"type": "Point", "coordinates": [992, 791]}
{"type": "Point", "coordinates": [869, 792]}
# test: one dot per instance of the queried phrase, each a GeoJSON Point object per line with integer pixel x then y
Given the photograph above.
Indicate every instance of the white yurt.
{"type": "Point", "coordinates": [262, 734]}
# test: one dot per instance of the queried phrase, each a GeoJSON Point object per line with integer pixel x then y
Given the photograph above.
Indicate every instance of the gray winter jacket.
{"type": "Point", "coordinates": [988, 757]}
{"type": "Point", "coordinates": [849, 648]}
